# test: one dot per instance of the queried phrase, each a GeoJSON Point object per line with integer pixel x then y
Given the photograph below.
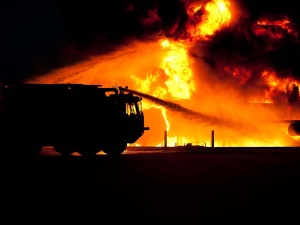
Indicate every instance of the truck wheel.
{"type": "Point", "coordinates": [22, 150]}
{"type": "Point", "coordinates": [89, 149]}
{"type": "Point", "coordinates": [114, 149]}
{"type": "Point", "coordinates": [32, 149]}
{"type": "Point", "coordinates": [64, 149]}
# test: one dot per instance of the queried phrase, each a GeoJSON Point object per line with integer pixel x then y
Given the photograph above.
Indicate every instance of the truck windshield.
{"type": "Point", "coordinates": [134, 108]}
{"type": "Point", "coordinates": [139, 106]}
{"type": "Point", "coordinates": [131, 109]}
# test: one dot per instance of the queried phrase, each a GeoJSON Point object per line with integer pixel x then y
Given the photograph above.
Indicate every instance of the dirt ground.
{"type": "Point", "coordinates": [255, 185]}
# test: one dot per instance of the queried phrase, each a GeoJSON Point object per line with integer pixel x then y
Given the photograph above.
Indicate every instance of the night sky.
{"type": "Point", "coordinates": [37, 36]}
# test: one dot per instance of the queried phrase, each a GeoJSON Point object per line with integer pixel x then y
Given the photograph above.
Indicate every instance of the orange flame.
{"type": "Point", "coordinates": [165, 69]}
{"type": "Point", "coordinates": [206, 19]}
{"type": "Point", "coordinates": [274, 28]}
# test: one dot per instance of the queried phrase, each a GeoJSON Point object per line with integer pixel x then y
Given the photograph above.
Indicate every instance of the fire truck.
{"type": "Point", "coordinates": [81, 118]}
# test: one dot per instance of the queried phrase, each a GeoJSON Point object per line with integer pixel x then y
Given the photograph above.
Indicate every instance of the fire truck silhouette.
{"type": "Point", "coordinates": [72, 118]}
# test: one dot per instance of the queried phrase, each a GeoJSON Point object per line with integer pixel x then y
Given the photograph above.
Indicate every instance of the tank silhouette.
{"type": "Point", "coordinates": [72, 118]}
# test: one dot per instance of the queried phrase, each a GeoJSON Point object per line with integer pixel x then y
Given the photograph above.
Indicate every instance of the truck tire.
{"type": "Point", "coordinates": [33, 149]}
{"type": "Point", "coordinates": [64, 149]}
{"type": "Point", "coordinates": [115, 148]}
{"type": "Point", "coordinates": [88, 149]}
{"type": "Point", "coordinates": [21, 150]}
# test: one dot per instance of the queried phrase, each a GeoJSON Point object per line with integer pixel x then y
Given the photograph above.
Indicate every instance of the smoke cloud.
{"type": "Point", "coordinates": [252, 59]}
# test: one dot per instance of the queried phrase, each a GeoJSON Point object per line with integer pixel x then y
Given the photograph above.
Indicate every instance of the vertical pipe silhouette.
{"type": "Point", "coordinates": [165, 140]}
{"type": "Point", "coordinates": [212, 138]}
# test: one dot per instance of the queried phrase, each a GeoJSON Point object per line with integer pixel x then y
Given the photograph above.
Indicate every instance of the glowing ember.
{"type": "Point", "coordinates": [274, 28]}
{"type": "Point", "coordinates": [242, 74]}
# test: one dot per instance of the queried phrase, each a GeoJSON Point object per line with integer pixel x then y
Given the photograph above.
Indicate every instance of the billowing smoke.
{"type": "Point", "coordinates": [205, 63]}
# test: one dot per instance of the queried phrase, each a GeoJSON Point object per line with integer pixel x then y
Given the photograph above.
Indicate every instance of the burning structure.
{"type": "Point", "coordinates": [204, 71]}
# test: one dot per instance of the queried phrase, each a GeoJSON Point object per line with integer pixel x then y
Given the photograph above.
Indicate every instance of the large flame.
{"type": "Point", "coordinates": [185, 94]}
{"type": "Point", "coordinates": [206, 19]}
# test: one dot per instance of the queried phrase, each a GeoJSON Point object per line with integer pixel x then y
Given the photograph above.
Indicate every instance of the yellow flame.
{"type": "Point", "coordinates": [215, 15]}
{"type": "Point", "coordinates": [176, 65]}
{"type": "Point", "coordinates": [174, 70]}
{"type": "Point", "coordinates": [176, 73]}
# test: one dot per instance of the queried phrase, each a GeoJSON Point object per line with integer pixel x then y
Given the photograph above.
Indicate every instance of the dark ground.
{"type": "Point", "coordinates": [241, 185]}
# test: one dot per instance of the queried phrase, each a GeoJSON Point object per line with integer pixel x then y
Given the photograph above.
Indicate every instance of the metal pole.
{"type": "Point", "coordinates": [166, 137]}
{"type": "Point", "coordinates": [212, 138]}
